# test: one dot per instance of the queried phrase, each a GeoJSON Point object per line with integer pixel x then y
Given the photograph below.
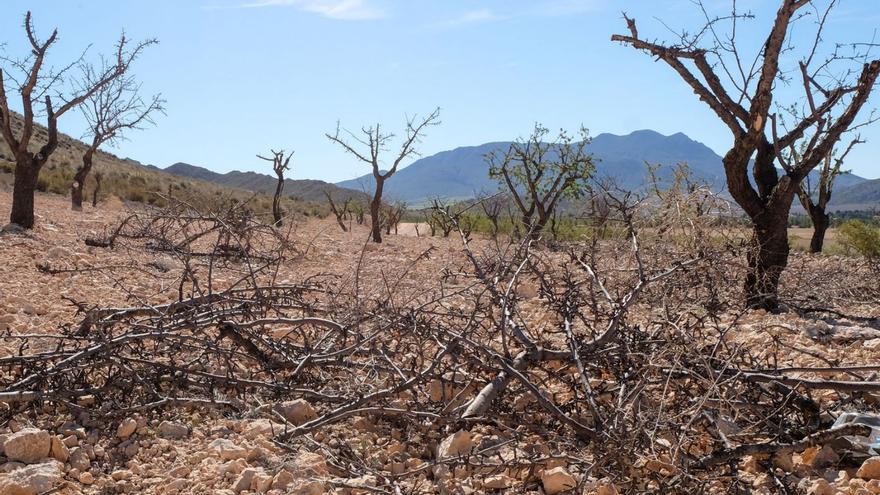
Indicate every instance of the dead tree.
{"type": "Point", "coordinates": [815, 199]}
{"type": "Point", "coordinates": [280, 164]}
{"type": "Point", "coordinates": [538, 174]}
{"type": "Point", "coordinates": [111, 111]}
{"type": "Point", "coordinates": [393, 215]}
{"type": "Point", "coordinates": [376, 143]}
{"type": "Point", "coordinates": [492, 207]}
{"type": "Point", "coordinates": [34, 82]}
{"type": "Point", "coordinates": [358, 210]}
{"type": "Point", "coordinates": [834, 92]}
{"type": "Point", "coordinates": [339, 213]}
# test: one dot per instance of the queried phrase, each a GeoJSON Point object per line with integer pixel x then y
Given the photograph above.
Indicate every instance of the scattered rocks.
{"type": "Point", "coordinates": [79, 459]}
{"type": "Point", "coordinates": [557, 480]}
{"type": "Point", "coordinates": [86, 478]}
{"type": "Point", "coordinates": [32, 479]}
{"type": "Point", "coordinates": [497, 482]}
{"type": "Point", "coordinates": [296, 411]}
{"type": "Point", "coordinates": [244, 480]}
{"type": "Point", "coordinates": [29, 445]}
{"type": "Point", "coordinates": [172, 430]}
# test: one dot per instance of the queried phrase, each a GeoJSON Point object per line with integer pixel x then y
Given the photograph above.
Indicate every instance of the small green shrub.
{"type": "Point", "coordinates": [862, 238]}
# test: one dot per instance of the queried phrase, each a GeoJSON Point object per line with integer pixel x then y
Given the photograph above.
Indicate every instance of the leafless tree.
{"type": "Point", "coordinates": [836, 87]}
{"type": "Point", "coordinates": [393, 215]}
{"type": "Point", "coordinates": [538, 174]}
{"type": "Point", "coordinates": [492, 206]}
{"type": "Point", "coordinates": [115, 108]}
{"type": "Point", "coordinates": [339, 213]}
{"type": "Point", "coordinates": [358, 210]}
{"type": "Point", "coordinates": [815, 199]}
{"type": "Point", "coordinates": [376, 142]}
{"type": "Point", "coordinates": [33, 81]}
{"type": "Point", "coordinates": [280, 164]}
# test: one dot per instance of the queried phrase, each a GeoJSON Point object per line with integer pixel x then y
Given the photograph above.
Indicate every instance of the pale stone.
{"type": "Point", "coordinates": [308, 465]}
{"type": "Point", "coordinates": [227, 450]}
{"type": "Point", "coordinates": [121, 474]}
{"type": "Point", "coordinates": [169, 429]}
{"type": "Point", "coordinates": [126, 428]}
{"type": "Point", "coordinates": [296, 411]}
{"type": "Point", "coordinates": [557, 480]}
{"type": "Point", "coordinates": [244, 480]}
{"type": "Point", "coordinates": [58, 450]}
{"type": "Point", "coordinates": [458, 443]}
{"type": "Point", "coordinates": [497, 482]}
{"type": "Point", "coordinates": [261, 482]}
{"type": "Point", "coordinates": [79, 459]}
{"type": "Point", "coordinates": [28, 445]}
{"type": "Point", "coordinates": [821, 487]}
{"type": "Point", "coordinates": [32, 479]}
{"type": "Point", "coordinates": [86, 478]}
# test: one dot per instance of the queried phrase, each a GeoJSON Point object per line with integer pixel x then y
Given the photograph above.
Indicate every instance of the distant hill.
{"type": "Point", "coordinates": [462, 172]}
{"type": "Point", "coordinates": [305, 190]}
{"type": "Point", "coordinates": [132, 181]}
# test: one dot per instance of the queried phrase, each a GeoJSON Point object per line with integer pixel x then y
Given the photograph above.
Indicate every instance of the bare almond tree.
{"type": "Point", "coordinates": [115, 108]}
{"type": "Point", "coordinates": [339, 212]}
{"type": "Point", "coordinates": [815, 198]}
{"type": "Point", "coordinates": [280, 164]}
{"type": "Point", "coordinates": [538, 174]}
{"type": "Point", "coordinates": [34, 82]}
{"type": "Point", "coordinates": [741, 91]}
{"type": "Point", "coordinates": [376, 142]}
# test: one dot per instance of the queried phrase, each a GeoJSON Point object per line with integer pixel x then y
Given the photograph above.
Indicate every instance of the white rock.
{"type": "Point", "coordinates": [227, 450]}
{"type": "Point", "coordinates": [458, 443]}
{"type": "Point", "coordinates": [28, 445]}
{"type": "Point", "coordinates": [244, 480]}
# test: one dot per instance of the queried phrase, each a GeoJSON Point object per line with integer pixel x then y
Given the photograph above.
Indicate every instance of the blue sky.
{"type": "Point", "coordinates": [243, 76]}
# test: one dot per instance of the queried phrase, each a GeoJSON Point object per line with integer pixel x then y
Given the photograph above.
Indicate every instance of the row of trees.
{"type": "Point", "coordinates": [768, 136]}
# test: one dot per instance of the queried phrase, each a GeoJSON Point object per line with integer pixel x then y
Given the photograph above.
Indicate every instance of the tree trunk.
{"type": "Point", "coordinates": [276, 202]}
{"type": "Point", "coordinates": [375, 206]}
{"type": "Point", "coordinates": [767, 258]}
{"type": "Point", "coordinates": [79, 181]}
{"type": "Point", "coordinates": [26, 173]}
{"type": "Point", "coordinates": [821, 222]}
{"type": "Point", "coordinates": [96, 191]}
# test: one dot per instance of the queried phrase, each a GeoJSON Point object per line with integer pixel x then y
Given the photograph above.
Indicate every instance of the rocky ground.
{"type": "Point", "coordinates": [189, 450]}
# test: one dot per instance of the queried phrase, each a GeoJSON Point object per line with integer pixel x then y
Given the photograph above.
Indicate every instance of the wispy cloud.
{"type": "Point", "coordinates": [554, 8]}
{"type": "Point", "coordinates": [475, 17]}
{"type": "Point", "coordinates": [540, 8]}
{"type": "Point", "coordinates": [349, 10]}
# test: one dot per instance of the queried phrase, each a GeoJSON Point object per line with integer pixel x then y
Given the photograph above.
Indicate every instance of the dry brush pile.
{"type": "Point", "coordinates": [608, 365]}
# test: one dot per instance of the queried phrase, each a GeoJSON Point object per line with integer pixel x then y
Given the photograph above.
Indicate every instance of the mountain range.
{"type": "Point", "coordinates": [303, 189]}
{"type": "Point", "coordinates": [463, 172]}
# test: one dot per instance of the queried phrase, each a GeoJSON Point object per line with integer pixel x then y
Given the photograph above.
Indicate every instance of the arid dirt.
{"type": "Point", "coordinates": [191, 450]}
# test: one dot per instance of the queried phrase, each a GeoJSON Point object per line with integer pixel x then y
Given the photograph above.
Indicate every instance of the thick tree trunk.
{"type": "Point", "coordinates": [821, 222]}
{"type": "Point", "coordinates": [96, 191]}
{"type": "Point", "coordinates": [276, 202]}
{"type": "Point", "coordinates": [79, 182]}
{"type": "Point", "coordinates": [26, 173]}
{"type": "Point", "coordinates": [375, 207]}
{"type": "Point", "coordinates": [767, 258]}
